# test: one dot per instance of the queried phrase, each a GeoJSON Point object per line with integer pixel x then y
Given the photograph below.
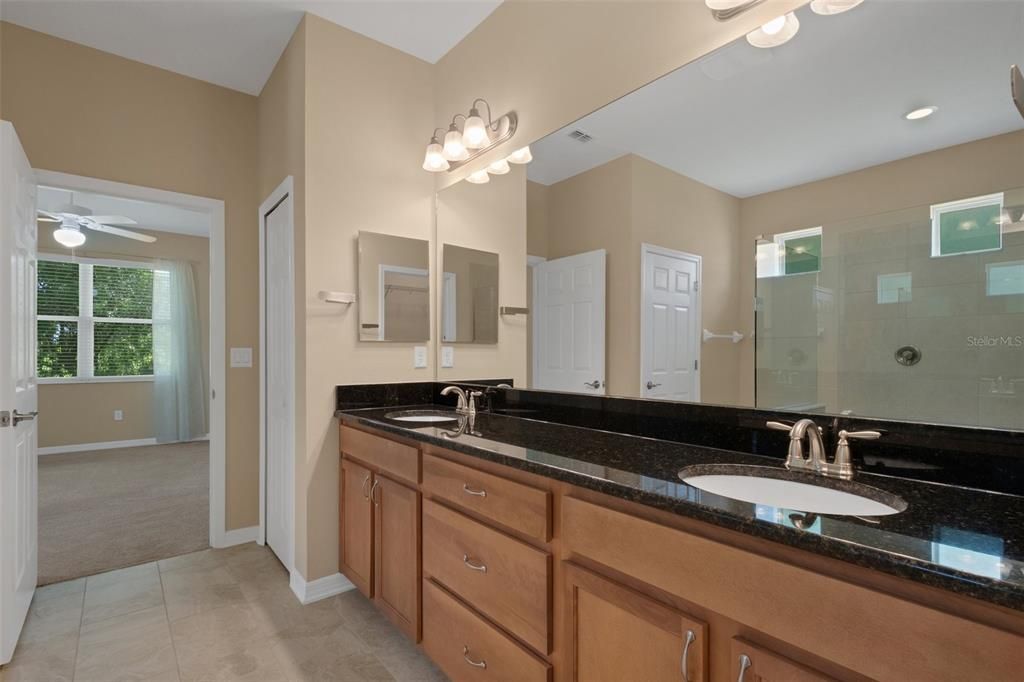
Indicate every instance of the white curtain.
{"type": "Point", "coordinates": [180, 409]}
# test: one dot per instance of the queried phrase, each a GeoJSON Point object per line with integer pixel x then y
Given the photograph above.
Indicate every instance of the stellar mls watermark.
{"type": "Point", "coordinates": [995, 341]}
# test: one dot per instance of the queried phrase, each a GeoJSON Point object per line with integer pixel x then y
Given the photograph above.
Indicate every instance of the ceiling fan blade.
{"type": "Point", "coordinates": [112, 219]}
{"type": "Point", "coordinates": [118, 232]}
{"type": "Point", "coordinates": [47, 217]}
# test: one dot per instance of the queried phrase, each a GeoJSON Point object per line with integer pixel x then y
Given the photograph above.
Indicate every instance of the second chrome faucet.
{"type": "Point", "coordinates": [815, 459]}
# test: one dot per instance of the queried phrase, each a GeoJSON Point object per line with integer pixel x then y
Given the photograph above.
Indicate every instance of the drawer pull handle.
{"type": "Point", "coordinates": [366, 494]}
{"type": "Point", "coordinates": [373, 489]}
{"type": "Point", "coordinates": [685, 663]}
{"type": "Point", "coordinates": [475, 664]}
{"type": "Point", "coordinates": [744, 664]}
{"type": "Point", "coordinates": [469, 491]}
{"type": "Point", "coordinates": [476, 567]}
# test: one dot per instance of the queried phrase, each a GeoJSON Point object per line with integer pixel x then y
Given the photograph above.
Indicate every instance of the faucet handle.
{"type": "Point", "coordinates": [859, 435]}
{"type": "Point", "coordinates": [843, 464]}
{"type": "Point", "coordinates": [780, 426]}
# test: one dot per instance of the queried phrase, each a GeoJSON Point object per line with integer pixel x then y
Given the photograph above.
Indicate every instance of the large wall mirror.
{"type": "Point", "coordinates": [394, 288]}
{"type": "Point", "coordinates": [830, 225]}
{"type": "Point", "coordinates": [469, 295]}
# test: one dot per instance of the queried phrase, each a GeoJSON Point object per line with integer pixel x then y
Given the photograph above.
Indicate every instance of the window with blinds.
{"type": "Point", "coordinates": [94, 320]}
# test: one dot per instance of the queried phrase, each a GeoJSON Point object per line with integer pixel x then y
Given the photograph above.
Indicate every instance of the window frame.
{"type": "Point", "coordinates": [778, 266]}
{"type": "Point", "coordinates": [84, 372]}
{"type": "Point", "coordinates": [938, 210]}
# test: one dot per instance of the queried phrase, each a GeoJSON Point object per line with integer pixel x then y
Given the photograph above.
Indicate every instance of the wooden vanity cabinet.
{"type": "Point", "coordinates": [396, 555]}
{"type": "Point", "coordinates": [614, 633]}
{"type": "Point", "coordinates": [356, 541]}
{"type": "Point", "coordinates": [753, 663]}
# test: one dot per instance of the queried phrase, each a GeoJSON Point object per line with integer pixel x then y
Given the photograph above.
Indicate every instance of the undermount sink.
{"type": "Point", "coordinates": [422, 416]}
{"type": "Point", "coordinates": [778, 488]}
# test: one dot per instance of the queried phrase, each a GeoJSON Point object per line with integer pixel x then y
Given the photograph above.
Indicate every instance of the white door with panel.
{"type": "Point", "coordinates": [18, 390]}
{"type": "Point", "coordinates": [569, 324]}
{"type": "Point", "coordinates": [670, 325]}
{"type": "Point", "coordinates": [279, 377]}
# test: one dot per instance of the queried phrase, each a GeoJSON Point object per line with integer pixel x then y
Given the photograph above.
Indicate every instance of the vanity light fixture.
{"type": "Point", "coordinates": [778, 31]}
{"type": "Point", "coordinates": [723, 10]}
{"type": "Point", "coordinates": [829, 7]}
{"type": "Point", "coordinates": [479, 177]}
{"type": "Point", "coordinates": [468, 139]}
{"type": "Point", "coordinates": [521, 155]}
{"type": "Point", "coordinates": [918, 114]}
{"type": "Point", "coordinates": [499, 167]}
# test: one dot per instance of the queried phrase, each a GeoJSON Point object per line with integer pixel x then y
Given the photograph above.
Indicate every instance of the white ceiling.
{"type": "Point", "coordinates": [236, 43]}
{"type": "Point", "coordinates": [149, 215]}
{"type": "Point", "coordinates": [831, 101]}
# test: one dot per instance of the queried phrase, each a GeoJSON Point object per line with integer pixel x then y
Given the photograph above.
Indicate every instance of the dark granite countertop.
{"type": "Point", "coordinates": [964, 540]}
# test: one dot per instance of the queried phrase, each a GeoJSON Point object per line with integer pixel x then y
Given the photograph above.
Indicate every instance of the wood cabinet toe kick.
{"type": "Point", "coordinates": [508, 575]}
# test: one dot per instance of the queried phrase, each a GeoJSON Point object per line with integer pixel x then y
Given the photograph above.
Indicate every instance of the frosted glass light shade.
{"type": "Point", "coordinates": [778, 31]}
{"type": "Point", "coordinates": [69, 237]}
{"type": "Point", "coordinates": [454, 149]}
{"type": "Point", "coordinates": [521, 155]}
{"type": "Point", "coordinates": [474, 133]}
{"type": "Point", "coordinates": [830, 7]}
{"type": "Point", "coordinates": [479, 177]}
{"type": "Point", "coordinates": [499, 167]}
{"type": "Point", "coordinates": [434, 160]}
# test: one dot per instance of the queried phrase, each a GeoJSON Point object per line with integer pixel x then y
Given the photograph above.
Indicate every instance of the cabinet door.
{"type": "Point", "coordinates": [753, 663]}
{"type": "Point", "coordinates": [616, 633]}
{"type": "Point", "coordinates": [396, 553]}
{"type": "Point", "coordinates": [356, 525]}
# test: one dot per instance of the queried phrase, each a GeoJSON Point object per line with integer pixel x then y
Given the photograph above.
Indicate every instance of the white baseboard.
{"type": "Point", "coordinates": [108, 445]}
{"type": "Point", "coordinates": [321, 588]}
{"type": "Point", "coordinates": [238, 536]}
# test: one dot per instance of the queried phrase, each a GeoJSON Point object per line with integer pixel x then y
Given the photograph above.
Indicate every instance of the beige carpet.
{"type": "Point", "coordinates": [108, 509]}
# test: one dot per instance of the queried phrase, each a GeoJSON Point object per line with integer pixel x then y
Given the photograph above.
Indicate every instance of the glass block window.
{"type": "Point", "coordinates": [967, 226]}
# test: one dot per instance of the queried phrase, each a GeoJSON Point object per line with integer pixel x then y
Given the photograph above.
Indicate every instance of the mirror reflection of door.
{"type": "Point", "coordinates": [670, 325]}
{"type": "Point", "coordinates": [569, 324]}
{"type": "Point", "coordinates": [405, 303]}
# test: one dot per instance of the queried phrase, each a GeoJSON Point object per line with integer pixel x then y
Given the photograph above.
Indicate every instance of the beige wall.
{"type": "Point", "coordinates": [490, 217]}
{"type": "Point", "coordinates": [623, 204]}
{"type": "Point", "coordinates": [146, 126]}
{"type": "Point", "coordinates": [84, 413]}
{"type": "Point", "coordinates": [965, 170]}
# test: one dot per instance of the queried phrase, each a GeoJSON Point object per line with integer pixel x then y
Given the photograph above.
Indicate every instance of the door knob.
{"type": "Point", "coordinates": [651, 384]}
{"type": "Point", "coordinates": [593, 384]}
{"type": "Point", "coordinates": [19, 417]}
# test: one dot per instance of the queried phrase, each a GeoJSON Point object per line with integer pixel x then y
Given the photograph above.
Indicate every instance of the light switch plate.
{"type": "Point", "coordinates": [119, 415]}
{"type": "Point", "coordinates": [447, 356]}
{"type": "Point", "coordinates": [419, 357]}
{"type": "Point", "coordinates": [241, 357]}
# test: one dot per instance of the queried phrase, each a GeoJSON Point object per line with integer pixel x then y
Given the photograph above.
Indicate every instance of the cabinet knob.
{"type": "Point", "coordinates": [476, 664]}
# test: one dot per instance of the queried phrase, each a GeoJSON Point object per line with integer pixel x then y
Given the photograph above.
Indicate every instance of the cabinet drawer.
{"type": "Point", "coordinates": [752, 663]}
{"type": "Point", "coordinates": [514, 505]}
{"type": "Point", "coordinates": [505, 579]}
{"type": "Point", "coordinates": [467, 647]}
{"type": "Point", "coordinates": [397, 459]}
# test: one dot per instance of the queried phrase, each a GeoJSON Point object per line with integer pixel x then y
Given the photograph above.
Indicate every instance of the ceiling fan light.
{"type": "Point", "coordinates": [499, 167]}
{"type": "Point", "coordinates": [479, 177]}
{"type": "Point", "coordinates": [434, 160]}
{"type": "Point", "coordinates": [454, 149]}
{"type": "Point", "coordinates": [778, 31]}
{"type": "Point", "coordinates": [68, 236]}
{"type": "Point", "coordinates": [830, 7]}
{"type": "Point", "coordinates": [522, 155]}
{"type": "Point", "coordinates": [474, 133]}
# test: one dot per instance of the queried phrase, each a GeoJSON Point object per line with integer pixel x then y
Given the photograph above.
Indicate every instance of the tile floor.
{"type": "Point", "coordinates": [212, 615]}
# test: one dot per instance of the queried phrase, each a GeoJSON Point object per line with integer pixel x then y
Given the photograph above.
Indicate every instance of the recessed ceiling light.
{"type": "Point", "coordinates": [918, 114]}
{"type": "Point", "coordinates": [776, 32]}
{"type": "Point", "coordinates": [830, 7]}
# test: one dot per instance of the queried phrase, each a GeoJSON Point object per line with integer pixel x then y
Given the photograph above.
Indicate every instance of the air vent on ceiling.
{"type": "Point", "coordinates": [580, 136]}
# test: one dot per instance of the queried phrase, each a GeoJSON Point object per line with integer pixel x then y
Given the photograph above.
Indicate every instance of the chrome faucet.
{"type": "Point", "coordinates": [816, 460]}
{"type": "Point", "coordinates": [467, 400]}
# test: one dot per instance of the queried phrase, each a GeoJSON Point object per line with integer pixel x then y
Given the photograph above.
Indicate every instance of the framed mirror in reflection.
{"type": "Point", "coordinates": [394, 288]}
{"type": "Point", "coordinates": [469, 296]}
{"type": "Point", "coordinates": [832, 225]}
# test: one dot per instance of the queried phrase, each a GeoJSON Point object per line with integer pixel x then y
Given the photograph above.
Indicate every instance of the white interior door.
{"type": "Point", "coordinates": [18, 390]}
{"type": "Point", "coordinates": [279, 377]}
{"type": "Point", "coordinates": [569, 324]}
{"type": "Point", "coordinates": [670, 325]}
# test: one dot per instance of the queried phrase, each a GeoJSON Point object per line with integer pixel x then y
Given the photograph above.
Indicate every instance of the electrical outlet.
{"type": "Point", "coordinates": [419, 357]}
{"type": "Point", "coordinates": [119, 415]}
{"type": "Point", "coordinates": [447, 356]}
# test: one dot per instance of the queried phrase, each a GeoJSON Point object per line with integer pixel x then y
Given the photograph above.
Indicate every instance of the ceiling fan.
{"type": "Point", "coordinates": [73, 218]}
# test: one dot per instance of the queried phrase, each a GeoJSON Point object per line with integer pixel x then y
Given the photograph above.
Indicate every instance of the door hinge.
{"type": "Point", "coordinates": [696, 285]}
{"type": "Point", "coordinates": [696, 365]}
{"type": "Point", "coordinates": [5, 418]}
